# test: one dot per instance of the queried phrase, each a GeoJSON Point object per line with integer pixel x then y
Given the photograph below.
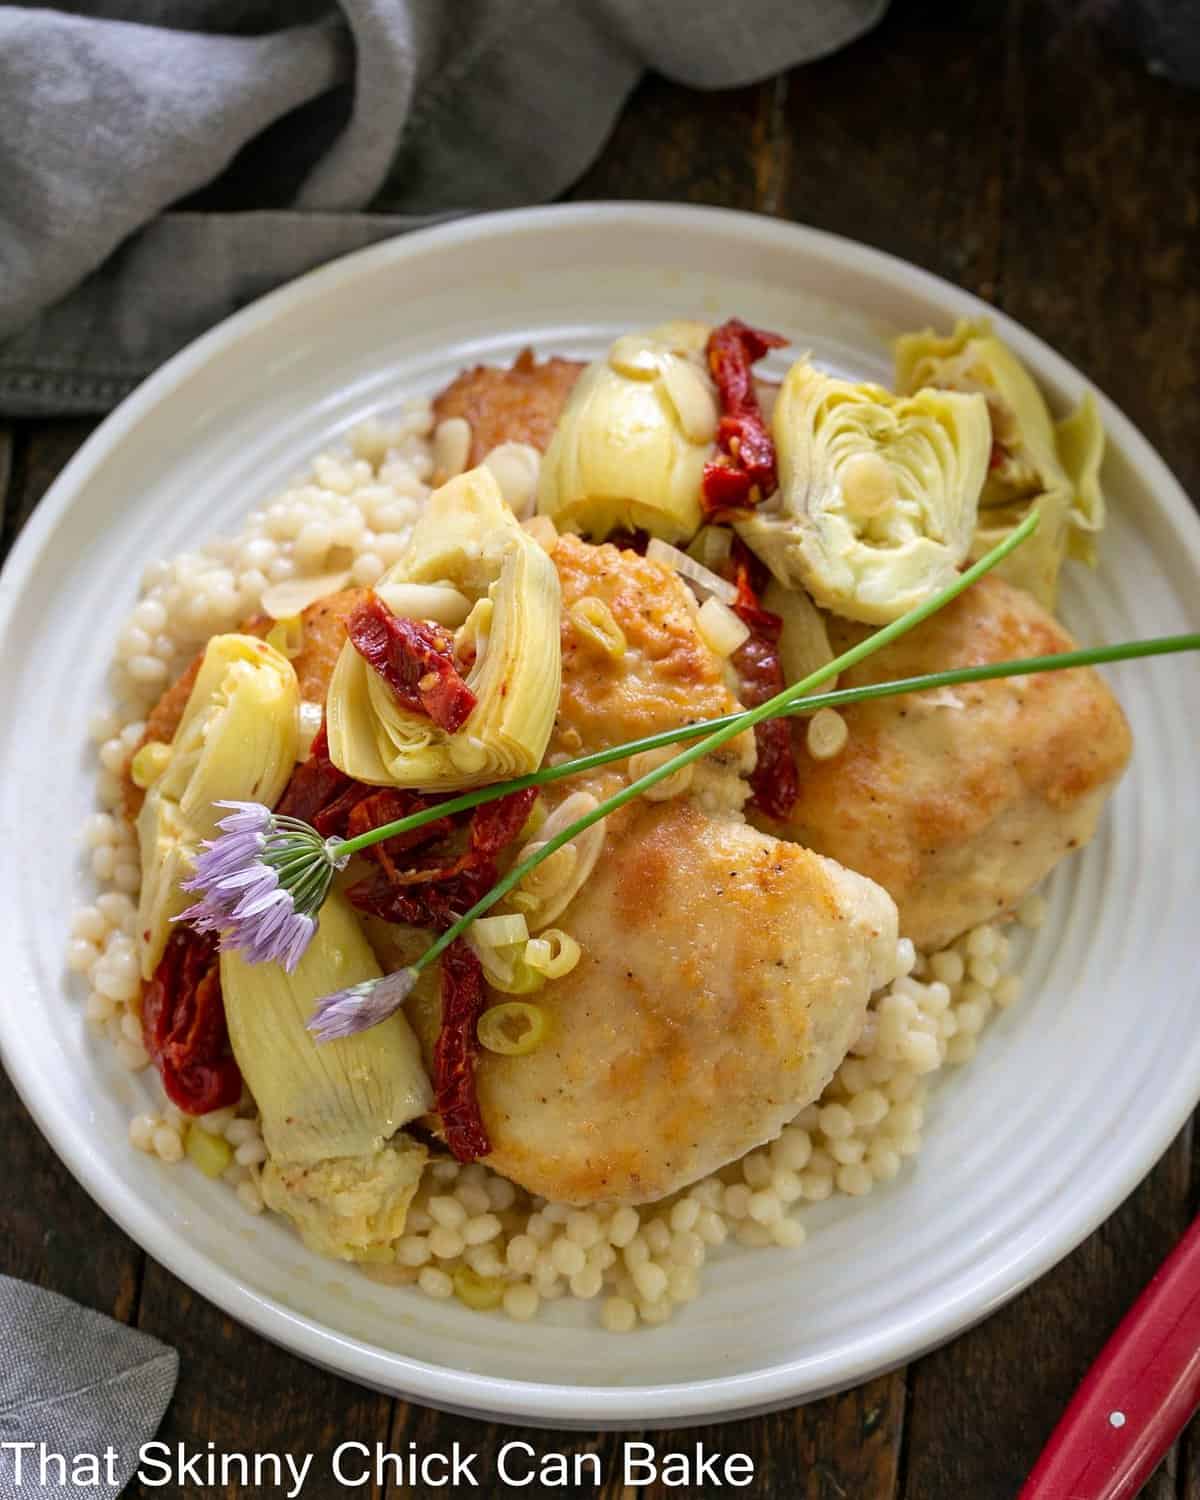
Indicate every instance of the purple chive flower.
{"type": "Point", "coordinates": [261, 884]}
{"type": "Point", "coordinates": [346, 1012]}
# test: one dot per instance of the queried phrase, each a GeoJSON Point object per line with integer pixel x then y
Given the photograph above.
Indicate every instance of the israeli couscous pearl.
{"type": "Point", "coordinates": [481, 1228]}
{"type": "Point", "coordinates": [448, 1212]}
{"type": "Point", "coordinates": [650, 1280]}
{"type": "Point", "coordinates": [623, 1226]}
{"type": "Point", "coordinates": [521, 1302]}
{"type": "Point", "coordinates": [658, 1237]}
{"type": "Point", "coordinates": [412, 1250]}
{"type": "Point", "coordinates": [168, 1144]}
{"type": "Point", "coordinates": [445, 1243]}
{"type": "Point", "coordinates": [81, 955]}
{"type": "Point", "coordinates": [618, 1315]}
{"type": "Point", "coordinates": [587, 1283]}
{"type": "Point", "coordinates": [788, 1232]}
{"type": "Point", "coordinates": [435, 1283]}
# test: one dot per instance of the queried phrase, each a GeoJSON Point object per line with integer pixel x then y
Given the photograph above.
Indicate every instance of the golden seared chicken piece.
{"type": "Point", "coordinates": [959, 801]}
{"type": "Point", "coordinates": [518, 405]}
{"type": "Point", "coordinates": [724, 976]}
{"type": "Point", "coordinates": [324, 632]}
{"type": "Point", "coordinates": [724, 973]}
{"type": "Point", "coordinates": [633, 662]}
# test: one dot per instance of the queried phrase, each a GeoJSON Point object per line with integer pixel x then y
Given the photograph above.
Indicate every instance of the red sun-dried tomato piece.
{"type": "Point", "coordinates": [388, 806]}
{"type": "Point", "coordinates": [183, 1025]}
{"type": "Point", "coordinates": [744, 471]}
{"type": "Point", "coordinates": [463, 999]}
{"type": "Point", "coordinates": [416, 660]}
{"type": "Point", "coordinates": [760, 676]}
{"type": "Point", "coordinates": [494, 825]}
{"type": "Point", "coordinates": [315, 785]}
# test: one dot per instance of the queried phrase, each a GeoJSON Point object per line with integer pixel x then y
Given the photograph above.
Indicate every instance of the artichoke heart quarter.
{"type": "Point", "coordinates": [237, 741]}
{"type": "Point", "coordinates": [630, 447]}
{"type": "Point", "coordinates": [877, 493]}
{"type": "Point", "coordinates": [330, 1111]}
{"type": "Point", "coordinates": [1033, 460]}
{"type": "Point", "coordinates": [468, 539]}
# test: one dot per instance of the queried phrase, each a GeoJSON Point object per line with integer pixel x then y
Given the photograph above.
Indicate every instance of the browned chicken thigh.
{"type": "Point", "coordinates": [959, 801]}
{"type": "Point", "coordinates": [724, 972]}
{"type": "Point", "coordinates": [520, 404]}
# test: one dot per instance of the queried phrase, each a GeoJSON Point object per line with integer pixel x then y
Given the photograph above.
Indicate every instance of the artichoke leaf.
{"type": "Point", "coordinates": [167, 849]}
{"type": "Point", "coordinates": [237, 741]}
{"type": "Point", "coordinates": [1034, 461]}
{"type": "Point", "coordinates": [1080, 439]}
{"type": "Point", "coordinates": [330, 1111]}
{"type": "Point", "coordinates": [877, 493]}
{"type": "Point", "coordinates": [630, 447]}
{"type": "Point", "coordinates": [468, 540]}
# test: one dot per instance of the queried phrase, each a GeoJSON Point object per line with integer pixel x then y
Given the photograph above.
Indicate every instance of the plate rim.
{"type": "Point", "coordinates": [551, 1403]}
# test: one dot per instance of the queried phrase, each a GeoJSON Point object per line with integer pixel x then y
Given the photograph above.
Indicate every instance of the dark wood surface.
{"type": "Point", "coordinates": [1017, 148]}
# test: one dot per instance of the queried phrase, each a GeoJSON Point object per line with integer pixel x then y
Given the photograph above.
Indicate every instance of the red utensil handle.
{"type": "Point", "coordinates": [1137, 1396]}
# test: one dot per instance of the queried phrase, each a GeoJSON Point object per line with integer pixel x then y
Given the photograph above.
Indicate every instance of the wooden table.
{"type": "Point", "coordinates": [1012, 147]}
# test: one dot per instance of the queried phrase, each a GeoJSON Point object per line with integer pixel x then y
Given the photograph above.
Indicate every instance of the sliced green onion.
{"type": "Point", "coordinates": [513, 1028]}
{"type": "Point", "coordinates": [499, 932]}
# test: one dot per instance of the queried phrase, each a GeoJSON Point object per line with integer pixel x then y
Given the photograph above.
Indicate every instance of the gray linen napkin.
{"type": "Point", "coordinates": [163, 162]}
{"type": "Point", "coordinates": [73, 1382]}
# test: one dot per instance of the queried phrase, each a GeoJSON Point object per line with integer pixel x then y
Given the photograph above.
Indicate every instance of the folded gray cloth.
{"type": "Point", "coordinates": [163, 162]}
{"type": "Point", "coordinates": [74, 1387]}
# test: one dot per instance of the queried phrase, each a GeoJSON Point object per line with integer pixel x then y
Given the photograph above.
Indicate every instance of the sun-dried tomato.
{"type": "Point", "coordinates": [435, 902]}
{"type": "Point", "coordinates": [760, 676]}
{"type": "Point", "coordinates": [416, 660]}
{"type": "Point", "coordinates": [463, 999]}
{"type": "Point", "coordinates": [183, 1025]}
{"type": "Point", "coordinates": [388, 806]}
{"type": "Point", "coordinates": [494, 825]}
{"type": "Point", "coordinates": [315, 788]}
{"type": "Point", "coordinates": [436, 888]}
{"type": "Point", "coordinates": [744, 471]}
{"type": "Point", "coordinates": [422, 886]}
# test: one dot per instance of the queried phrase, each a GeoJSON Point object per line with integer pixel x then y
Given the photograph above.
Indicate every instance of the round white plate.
{"type": "Point", "coordinates": [1075, 1091]}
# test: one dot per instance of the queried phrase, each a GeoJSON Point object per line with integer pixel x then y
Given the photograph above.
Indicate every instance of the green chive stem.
{"type": "Point", "coordinates": [745, 719]}
{"type": "Point", "coordinates": [1026, 666]}
{"type": "Point", "coordinates": [737, 724]}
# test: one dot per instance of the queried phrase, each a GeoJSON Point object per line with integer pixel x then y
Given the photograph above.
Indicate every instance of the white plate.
{"type": "Point", "coordinates": [1075, 1092]}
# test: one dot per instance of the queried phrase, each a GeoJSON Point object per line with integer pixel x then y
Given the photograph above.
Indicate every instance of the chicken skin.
{"type": "Point", "coordinates": [959, 801]}
{"type": "Point", "coordinates": [517, 405]}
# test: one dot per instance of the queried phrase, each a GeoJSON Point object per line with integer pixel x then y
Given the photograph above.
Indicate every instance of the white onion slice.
{"type": "Point", "coordinates": [721, 628]}
{"type": "Point", "coordinates": [687, 567]}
